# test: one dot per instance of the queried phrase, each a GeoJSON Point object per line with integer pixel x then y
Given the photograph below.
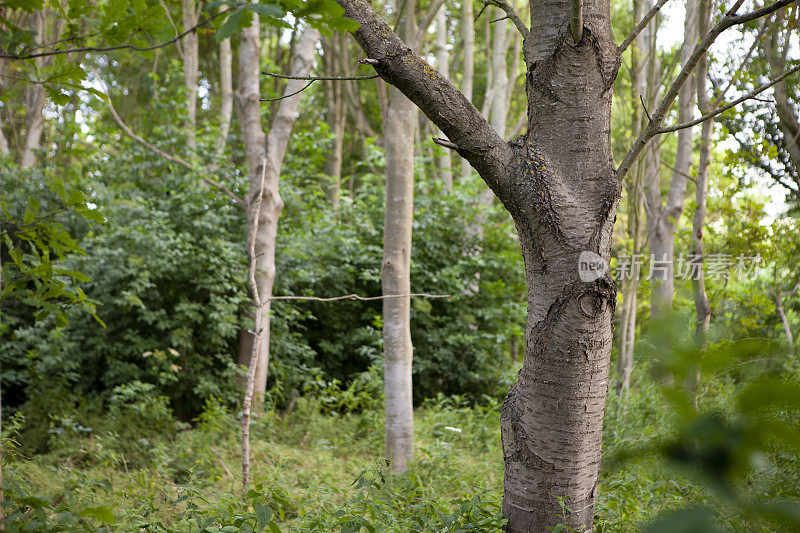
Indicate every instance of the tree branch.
{"type": "Point", "coordinates": [5, 55]}
{"type": "Point", "coordinates": [576, 20]}
{"type": "Point", "coordinates": [360, 298]}
{"type": "Point", "coordinates": [445, 106]}
{"type": "Point", "coordinates": [749, 96]}
{"type": "Point", "coordinates": [153, 148]}
{"type": "Point", "coordinates": [321, 78]}
{"type": "Point", "coordinates": [641, 26]}
{"type": "Point", "coordinates": [510, 13]}
{"type": "Point", "coordinates": [652, 128]}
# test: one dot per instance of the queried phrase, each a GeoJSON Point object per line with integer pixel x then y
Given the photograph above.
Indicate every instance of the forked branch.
{"type": "Point", "coordinates": [511, 14]}
{"type": "Point", "coordinates": [654, 125]}
{"type": "Point", "coordinates": [749, 96]}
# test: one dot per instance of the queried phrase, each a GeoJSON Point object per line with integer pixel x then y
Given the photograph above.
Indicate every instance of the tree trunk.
{"type": "Point", "coordinates": [443, 65]}
{"type": "Point", "coordinates": [35, 101]}
{"type": "Point", "coordinates": [399, 125]}
{"type": "Point", "coordinates": [787, 118]}
{"type": "Point", "coordinates": [630, 278]}
{"type": "Point", "coordinates": [560, 187]}
{"type": "Point", "coordinates": [335, 51]}
{"type": "Point", "coordinates": [265, 156]}
{"type": "Point", "coordinates": [468, 68]}
{"type": "Point", "coordinates": [665, 215]}
{"type": "Point", "coordinates": [226, 93]}
{"type": "Point", "coordinates": [191, 63]}
{"type": "Point", "coordinates": [701, 303]}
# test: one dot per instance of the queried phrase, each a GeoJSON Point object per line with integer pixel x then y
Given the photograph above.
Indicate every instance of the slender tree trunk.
{"type": "Point", "coordinates": [443, 66]}
{"type": "Point", "coordinates": [787, 117]}
{"type": "Point", "coordinates": [782, 314]}
{"type": "Point", "coordinates": [399, 125]}
{"type": "Point", "coordinates": [265, 156]}
{"type": "Point", "coordinates": [35, 101]}
{"type": "Point", "coordinates": [191, 63]}
{"type": "Point", "coordinates": [335, 51]}
{"type": "Point", "coordinates": [226, 93]}
{"type": "Point", "coordinates": [701, 302]}
{"type": "Point", "coordinates": [468, 68]}
{"type": "Point", "coordinates": [630, 279]}
{"type": "Point", "coordinates": [665, 215]}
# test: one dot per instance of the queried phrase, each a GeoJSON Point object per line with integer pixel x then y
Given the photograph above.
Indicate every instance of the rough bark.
{"type": "Point", "coordinates": [560, 188]}
{"type": "Point", "coordinates": [190, 55]}
{"type": "Point", "coordinates": [265, 155]}
{"type": "Point", "coordinates": [445, 160]}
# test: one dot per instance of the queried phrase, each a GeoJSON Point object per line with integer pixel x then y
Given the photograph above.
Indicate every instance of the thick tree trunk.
{"type": "Point", "coordinates": [191, 63]}
{"type": "Point", "coordinates": [265, 157]}
{"type": "Point", "coordinates": [552, 418]}
{"type": "Point", "coordinates": [443, 66]}
{"type": "Point", "coordinates": [560, 187]}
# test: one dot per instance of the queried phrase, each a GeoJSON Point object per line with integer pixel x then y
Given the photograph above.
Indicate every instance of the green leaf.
{"type": "Point", "coordinates": [234, 24]}
{"type": "Point", "coordinates": [102, 513]}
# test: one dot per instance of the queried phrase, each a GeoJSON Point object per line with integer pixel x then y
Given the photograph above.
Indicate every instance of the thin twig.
{"type": "Point", "coordinates": [361, 298]}
{"type": "Point", "coordinates": [511, 14]}
{"type": "Point", "coordinates": [221, 462]}
{"type": "Point", "coordinates": [320, 78]}
{"type": "Point", "coordinates": [118, 47]}
{"type": "Point", "coordinates": [306, 86]}
{"type": "Point", "coordinates": [641, 26]}
{"type": "Point", "coordinates": [169, 157]}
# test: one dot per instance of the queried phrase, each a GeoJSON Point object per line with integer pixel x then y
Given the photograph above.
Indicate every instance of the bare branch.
{"type": "Point", "coordinates": [153, 148]}
{"type": "Point", "coordinates": [306, 86]}
{"type": "Point", "coordinates": [641, 26]}
{"type": "Point", "coordinates": [576, 20]}
{"type": "Point", "coordinates": [749, 96]}
{"type": "Point", "coordinates": [360, 298]}
{"type": "Point", "coordinates": [205, 21]}
{"type": "Point", "coordinates": [511, 14]}
{"type": "Point", "coordinates": [652, 129]}
{"type": "Point", "coordinates": [251, 245]}
{"type": "Point", "coordinates": [321, 78]}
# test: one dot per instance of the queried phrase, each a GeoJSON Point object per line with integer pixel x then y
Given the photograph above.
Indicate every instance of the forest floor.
{"type": "Point", "coordinates": [324, 472]}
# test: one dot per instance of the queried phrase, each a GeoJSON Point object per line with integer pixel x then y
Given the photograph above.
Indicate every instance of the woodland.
{"type": "Point", "coordinates": [399, 265]}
